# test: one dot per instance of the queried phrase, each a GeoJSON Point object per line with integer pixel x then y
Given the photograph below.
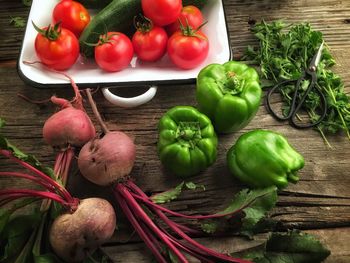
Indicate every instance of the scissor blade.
{"type": "Point", "coordinates": [317, 58]}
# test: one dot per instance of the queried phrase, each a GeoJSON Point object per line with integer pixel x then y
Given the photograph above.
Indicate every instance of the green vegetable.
{"type": "Point", "coordinates": [174, 193]}
{"type": "Point", "coordinates": [117, 16]}
{"type": "Point", "coordinates": [253, 203]}
{"type": "Point", "coordinates": [187, 141]}
{"type": "Point", "coordinates": [283, 52]}
{"type": "Point", "coordinates": [96, 4]}
{"type": "Point", "coordinates": [291, 247]}
{"type": "Point", "coordinates": [228, 94]}
{"type": "Point", "coordinates": [262, 158]}
{"type": "Point", "coordinates": [197, 3]}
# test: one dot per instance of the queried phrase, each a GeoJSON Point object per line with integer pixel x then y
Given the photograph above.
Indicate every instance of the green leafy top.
{"type": "Point", "coordinates": [284, 52]}
{"type": "Point", "coordinates": [254, 204]}
{"type": "Point", "coordinates": [174, 193]}
{"type": "Point", "coordinates": [18, 22]}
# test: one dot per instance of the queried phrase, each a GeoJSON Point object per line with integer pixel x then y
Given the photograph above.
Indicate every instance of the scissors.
{"type": "Point", "coordinates": [308, 73]}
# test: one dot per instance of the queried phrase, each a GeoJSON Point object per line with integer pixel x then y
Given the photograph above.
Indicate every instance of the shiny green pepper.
{"type": "Point", "coordinates": [187, 141]}
{"type": "Point", "coordinates": [262, 158]}
{"type": "Point", "coordinates": [229, 95]}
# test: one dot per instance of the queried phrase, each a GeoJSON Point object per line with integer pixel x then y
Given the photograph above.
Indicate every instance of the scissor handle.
{"type": "Point", "coordinates": [294, 106]}
{"type": "Point", "coordinates": [302, 100]}
{"type": "Point", "coordinates": [268, 101]}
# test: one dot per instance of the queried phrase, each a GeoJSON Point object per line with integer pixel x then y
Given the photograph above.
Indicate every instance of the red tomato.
{"type": "Point", "coordinates": [72, 15]}
{"type": "Point", "coordinates": [162, 12]}
{"type": "Point", "coordinates": [59, 50]}
{"type": "Point", "coordinates": [190, 15]}
{"type": "Point", "coordinates": [114, 52]}
{"type": "Point", "coordinates": [150, 45]}
{"type": "Point", "coordinates": [188, 51]}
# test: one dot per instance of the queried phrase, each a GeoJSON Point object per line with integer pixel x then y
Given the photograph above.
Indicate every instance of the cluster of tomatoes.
{"type": "Point", "coordinates": [171, 29]}
{"type": "Point", "coordinates": [58, 46]}
{"type": "Point", "coordinates": [164, 27]}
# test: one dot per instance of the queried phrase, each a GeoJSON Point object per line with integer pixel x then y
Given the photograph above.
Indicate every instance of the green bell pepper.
{"type": "Point", "coordinates": [229, 95]}
{"type": "Point", "coordinates": [262, 158]}
{"type": "Point", "coordinates": [187, 141]}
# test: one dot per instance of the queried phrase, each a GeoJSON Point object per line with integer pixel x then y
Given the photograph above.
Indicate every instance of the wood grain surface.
{"type": "Point", "coordinates": [319, 203]}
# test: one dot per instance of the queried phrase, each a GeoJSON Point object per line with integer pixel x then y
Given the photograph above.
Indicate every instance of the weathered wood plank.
{"type": "Point", "coordinates": [337, 241]}
{"type": "Point", "coordinates": [320, 200]}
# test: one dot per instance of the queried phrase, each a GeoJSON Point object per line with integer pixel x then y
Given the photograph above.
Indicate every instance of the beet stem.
{"type": "Point", "coordinates": [61, 168]}
{"type": "Point", "coordinates": [63, 161]}
{"type": "Point", "coordinates": [19, 193]}
{"type": "Point", "coordinates": [132, 219]}
{"type": "Point", "coordinates": [37, 180]}
{"type": "Point", "coordinates": [42, 175]}
{"type": "Point", "coordinates": [183, 235]}
{"type": "Point", "coordinates": [196, 217]}
{"type": "Point", "coordinates": [96, 112]}
{"type": "Point", "coordinates": [77, 98]}
{"type": "Point", "coordinates": [143, 216]}
{"type": "Point", "coordinates": [186, 229]}
{"type": "Point", "coordinates": [151, 236]}
{"type": "Point", "coordinates": [189, 250]}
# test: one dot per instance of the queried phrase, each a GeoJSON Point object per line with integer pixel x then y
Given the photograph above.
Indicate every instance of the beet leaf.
{"type": "Point", "coordinates": [290, 247]}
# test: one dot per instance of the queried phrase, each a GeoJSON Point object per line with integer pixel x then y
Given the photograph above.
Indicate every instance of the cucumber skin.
{"type": "Point", "coordinates": [116, 16]}
{"type": "Point", "coordinates": [198, 3]}
{"type": "Point", "coordinates": [94, 4]}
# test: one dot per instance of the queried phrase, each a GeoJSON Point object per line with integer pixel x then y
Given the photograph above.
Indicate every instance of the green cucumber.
{"type": "Point", "coordinates": [117, 16]}
{"type": "Point", "coordinates": [94, 4]}
{"type": "Point", "coordinates": [198, 3]}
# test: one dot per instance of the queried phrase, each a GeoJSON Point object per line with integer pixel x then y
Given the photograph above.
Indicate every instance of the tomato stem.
{"type": "Point", "coordinates": [143, 24]}
{"type": "Point", "coordinates": [51, 33]}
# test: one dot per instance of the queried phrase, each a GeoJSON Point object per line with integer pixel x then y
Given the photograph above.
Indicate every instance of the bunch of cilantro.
{"type": "Point", "coordinates": [284, 52]}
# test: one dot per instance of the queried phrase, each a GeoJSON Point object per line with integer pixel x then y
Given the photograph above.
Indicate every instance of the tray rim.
{"type": "Point", "coordinates": [145, 83]}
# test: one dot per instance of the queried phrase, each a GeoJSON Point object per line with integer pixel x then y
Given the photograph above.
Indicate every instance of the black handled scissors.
{"type": "Point", "coordinates": [296, 104]}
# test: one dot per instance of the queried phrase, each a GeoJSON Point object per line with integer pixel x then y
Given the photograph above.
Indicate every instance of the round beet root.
{"type": "Point", "coordinates": [69, 126]}
{"type": "Point", "coordinates": [104, 161]}
{"type": "Point", "coordinates": [74, 236]}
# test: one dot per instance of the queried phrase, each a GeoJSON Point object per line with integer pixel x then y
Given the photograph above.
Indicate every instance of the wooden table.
{"type": "Point", "coordinates": [319, 203]}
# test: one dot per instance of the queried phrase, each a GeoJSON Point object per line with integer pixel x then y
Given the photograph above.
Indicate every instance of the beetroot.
{"type": "Point", "coordinates": [75, 236]}
{"type": "Point", "coordinates": [69, 126]}
{"type": "Point", "coordinates": [104, 161]}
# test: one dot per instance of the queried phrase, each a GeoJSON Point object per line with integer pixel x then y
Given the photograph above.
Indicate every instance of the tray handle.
{"type": "Point", "coordinates": [130, 102]}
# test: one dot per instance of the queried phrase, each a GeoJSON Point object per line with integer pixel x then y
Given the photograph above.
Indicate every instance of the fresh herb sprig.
{"type": "Point", "coordinates": [284, 52]}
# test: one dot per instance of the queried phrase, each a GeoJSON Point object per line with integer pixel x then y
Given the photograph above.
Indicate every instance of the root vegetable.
{"type": "Point", "coordinates": [69, 126]}
{"type": "Point", "coordinates": [104, 161]}
{"type": "Point", "coordinates": [75, 236]}
{"type": "Point", "coordinates": [77, 233]}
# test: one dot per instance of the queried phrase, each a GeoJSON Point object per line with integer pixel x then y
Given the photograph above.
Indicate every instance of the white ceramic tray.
{"type": "Point", "coordinates": [86, 73]}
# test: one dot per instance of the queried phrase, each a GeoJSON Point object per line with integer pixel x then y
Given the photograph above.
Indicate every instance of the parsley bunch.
{"type": "Point", "coordinates": [284, 52]}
